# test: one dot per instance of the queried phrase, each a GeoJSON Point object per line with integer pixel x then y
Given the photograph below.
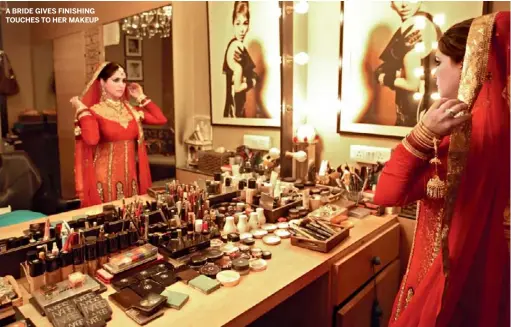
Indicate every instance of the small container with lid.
{"type": "Point", "coordinates": [241, 265]}
{"type": "Point", "coordinates": [197, 261]}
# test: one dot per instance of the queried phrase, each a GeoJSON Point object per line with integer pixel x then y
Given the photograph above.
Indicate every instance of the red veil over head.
{"type": "Point", "coordinates": [85, 176]}
{"type": "Point", "coordinates": [468, 283]}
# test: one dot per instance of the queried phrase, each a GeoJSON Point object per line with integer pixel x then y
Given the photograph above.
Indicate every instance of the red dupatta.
{"type": "Point", "coordinates": [468, 282]}
{"type": "Point", "coordinates": [85, 175]}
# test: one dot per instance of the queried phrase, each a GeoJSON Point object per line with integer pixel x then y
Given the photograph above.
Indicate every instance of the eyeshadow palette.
{"type": "Point", "coordinates": [89, 310]}
{"type": "Point", "coordinates": [204, 284]}
{"type": "Point", "coordinates": [187, 275]}
{"type": "Point", "coordinates": [150, 303]}
{"type": "Point", "coordinates": [165, 278]}
{"type": "Point", "coordinates": [125, 282]}
{"type": "Point", "coordinates": [176, 300]}
{"type": "Point", "coordinates": [125, 299]}
{"type": "Point", "coordinates": [148, 286]}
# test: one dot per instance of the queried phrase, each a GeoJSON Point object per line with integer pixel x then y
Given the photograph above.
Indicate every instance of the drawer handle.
{"type": "Point", "coordinates": [376, 261]}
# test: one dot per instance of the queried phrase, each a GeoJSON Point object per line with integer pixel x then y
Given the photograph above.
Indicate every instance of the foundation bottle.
{"type": "Point", "coordinates": [91, 261]}
{"type": "Point", "coordinates": [66, 264]}
{"type": "Point", "coordinates": [36, 271]}
{"type": "Point", "coordinates": [102, 252]}
{"type": "Point", "coordinates": [53, 273]}
{"type": "Point", "coordinates": [78, 255]}
{"type": "Point", "coordinates": [251, 191]}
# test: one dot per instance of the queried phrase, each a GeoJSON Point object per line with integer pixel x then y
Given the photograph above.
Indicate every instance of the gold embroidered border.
{"type": "Point", "coordinates": [399, 306]}
{"type": "Point", "coordinates": [126, 163]}
{"type": "Point", "coordinates": [109, 176]}
{"type": "Point", "coordinates": [473, 76]}
{"type": "Point", "coordinates": [94, 77]}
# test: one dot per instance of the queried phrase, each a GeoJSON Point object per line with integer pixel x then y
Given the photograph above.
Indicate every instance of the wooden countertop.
{"type": "Point", "coordinates": [290, 269]}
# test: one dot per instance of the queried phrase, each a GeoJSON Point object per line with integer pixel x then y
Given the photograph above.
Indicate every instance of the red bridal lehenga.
{"type": "Point", "coordinates": [458, 272]}
{"type": "Point", "coordinates": [110, 157]}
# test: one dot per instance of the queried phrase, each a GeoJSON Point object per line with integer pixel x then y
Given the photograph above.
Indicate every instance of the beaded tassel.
{"type": "Point", "coordinates": [436, 187]}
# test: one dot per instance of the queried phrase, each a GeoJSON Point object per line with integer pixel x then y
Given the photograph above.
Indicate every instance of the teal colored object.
{"type": "Point", "coordinates": [19, 216]}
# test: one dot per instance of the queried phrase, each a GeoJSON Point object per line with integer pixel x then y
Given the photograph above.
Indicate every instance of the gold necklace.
{"type": "Point", "coordinates": [117, 112]}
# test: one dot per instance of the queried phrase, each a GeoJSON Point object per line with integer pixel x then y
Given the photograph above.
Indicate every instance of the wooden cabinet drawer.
{"type": "Point", "coordinates": [353, 271]}
{"type": "Point", "coordinates": [357, 312]}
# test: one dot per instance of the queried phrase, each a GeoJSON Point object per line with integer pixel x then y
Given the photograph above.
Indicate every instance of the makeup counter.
{"type": "Point", "coordinates": [208, 254]}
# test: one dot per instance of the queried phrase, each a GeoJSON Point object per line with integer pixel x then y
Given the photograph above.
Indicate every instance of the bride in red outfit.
{"type": "Point", "coordinates": [456, 163]}
{"type": "Point", "coordinates": [110, 139]}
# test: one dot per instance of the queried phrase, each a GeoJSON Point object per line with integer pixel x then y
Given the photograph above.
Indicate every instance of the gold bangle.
{"type": "Point", "coordinates": [141, 98]}
{"type": "Point", "coordinates": [413, 150]}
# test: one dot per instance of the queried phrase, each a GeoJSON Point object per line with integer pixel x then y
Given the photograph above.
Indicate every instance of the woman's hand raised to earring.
{"type": "Point", "coordinates": [444, 115]}
{"type": "Point", "coordinates": [77, 103]}
{"type": "Point", "coordinates": [135, 90]}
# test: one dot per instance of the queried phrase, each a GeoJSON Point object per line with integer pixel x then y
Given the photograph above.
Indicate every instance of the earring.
{"type": "Point", "coordinates": [103, 93]}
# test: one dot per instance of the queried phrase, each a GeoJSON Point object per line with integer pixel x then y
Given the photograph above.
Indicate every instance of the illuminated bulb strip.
{"type": "Point", "coordinates": [420, 47]}
{"type": "Point", "coordinates": [301, 7]}
{"type": "Point", "coordinates": [417, 96]}
{"type": "Point", "coordinates": [419, 71]}
{"type": "Point", "coordinates": [435, 96]}
{"type": "Point", "coordinates": [439, 19]}
{"type": "Point", "coordinates": [301, 58]}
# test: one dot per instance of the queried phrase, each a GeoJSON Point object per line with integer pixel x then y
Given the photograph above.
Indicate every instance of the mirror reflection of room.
{"type": "Point", "coordinates": [142, 45]}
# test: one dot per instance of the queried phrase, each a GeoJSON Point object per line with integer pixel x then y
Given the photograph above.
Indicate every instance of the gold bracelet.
{"type": "Point", "coordinates": [141, 98]}
{"type": "Point", "coordinates": [413, 150]}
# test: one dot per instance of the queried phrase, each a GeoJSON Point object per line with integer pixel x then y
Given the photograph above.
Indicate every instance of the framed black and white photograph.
{"type": "Point", "coordinates": [133, 46]}
{"type": "Point", "coordinates": [134, 70]}
{"type": "Point", "coordinates": [245, 63]}
{"type": "Point", "coordinates": [388, 61]}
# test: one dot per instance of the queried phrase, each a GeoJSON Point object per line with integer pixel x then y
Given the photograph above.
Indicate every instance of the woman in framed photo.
{"type": "Point", "coordinates": [401, 59]}
{"type": "Point", "coordinates": [238, 66]}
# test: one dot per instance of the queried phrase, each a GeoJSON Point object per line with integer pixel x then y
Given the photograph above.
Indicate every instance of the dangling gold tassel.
{"type": "Point", "coordinates": [436, 187]}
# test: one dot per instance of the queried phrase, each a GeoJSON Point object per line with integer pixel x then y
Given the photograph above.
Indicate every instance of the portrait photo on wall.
{"type": "Point", "coordinates": [134, 70]}
{"type": "Point", "coordinates": [388, 61]}
{"type": "Point", "coordinates": [133, 46]}
{"type": "Point", "coordinates": [244, 63]}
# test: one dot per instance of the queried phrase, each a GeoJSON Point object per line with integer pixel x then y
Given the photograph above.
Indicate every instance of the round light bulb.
{"type": "Point", "coordinates": [301, 58]}
{"type": "Point", "coordinates": [439, 19]}
{"type": "Point", "coordinates": [433, 71]}
{"type": "Point", "coordinates": [301, 7]}
{"type": "Point", "coordinates": [434, 45]}
{"type": "Point", "coordinates": [417, 96]}
{"type": "Point", "coordinates": [435, 96]}
{"type": "Point", "coordinates": [420, 22]}
{"type": "Point", "coordinates": [419, 71]}
{"type": "Point", "coordinates": [420, 47]}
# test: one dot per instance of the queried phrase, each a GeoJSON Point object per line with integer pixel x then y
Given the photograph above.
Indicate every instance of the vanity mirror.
{"type": "Point", "coordinates": [142, 43]}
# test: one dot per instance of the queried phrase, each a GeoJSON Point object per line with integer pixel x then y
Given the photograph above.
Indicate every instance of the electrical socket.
{"type": "Point", "coordinates": [257, 142]}
{"type": "Point", "coordinates": [369, 154]}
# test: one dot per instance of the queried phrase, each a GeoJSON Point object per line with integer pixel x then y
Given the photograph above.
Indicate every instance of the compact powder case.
{"type": "Point", "coordinates": [283, 225]}
{"type": "Point", "coordinates": [248, 241]}
{"type": "Point", "coordinates": [271, 239]}
{"type": "Point", "coordinates": [282, 233]}
{"type": "Point", "coordinates": [197, 261]}
{"type": "Point", "coordinates": [244, 236]}
{"type": "Point", "coordinates": [270, 228]}
{"type": "Point", "coordinates": [258, 265]}
{"type": "Point", "coordinates": [228, 278]}
{"type": "Point", "coordinates": [266, 255]}
{"type": "Point", "coordinates": [256, 252]}
{"type": "Point", "coordinates": [244, 248]}
{"type": "Point", "coordinates": [242, 266]}
{"type": "Point", "coordinates": [210, 270]}
{"type": "Point", "coordinates": [216, 243]}
{"type": "Point", "coordinates": [259, 233]}
{"type": "Point", "coordinates": [213, 255]}
{"type": "Point", "coordinates": [225, 263]}
{"type": "Point", "coordinates": [144, 274]}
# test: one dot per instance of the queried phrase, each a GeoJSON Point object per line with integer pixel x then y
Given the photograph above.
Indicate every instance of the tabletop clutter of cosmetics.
{"type": "Point", "coordinates": [205, 235]}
